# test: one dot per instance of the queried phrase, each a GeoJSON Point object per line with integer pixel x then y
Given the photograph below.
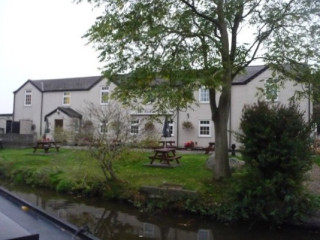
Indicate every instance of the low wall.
{"type": "Point", "coordinates": [13, 140]}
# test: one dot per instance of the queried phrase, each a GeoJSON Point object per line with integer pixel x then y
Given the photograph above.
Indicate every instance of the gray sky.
{"type": "Point", "coordinates": [41, 39]}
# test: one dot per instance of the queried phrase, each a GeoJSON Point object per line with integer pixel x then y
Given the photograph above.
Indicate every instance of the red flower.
{"type": "Point", "coordinates": [189, 144]}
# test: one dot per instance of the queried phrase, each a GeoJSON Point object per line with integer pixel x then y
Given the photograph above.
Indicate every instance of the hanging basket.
{"type": "Point", "coordinates": [187, 125]}
{"type": "Point", "coordinates": [149, 126]}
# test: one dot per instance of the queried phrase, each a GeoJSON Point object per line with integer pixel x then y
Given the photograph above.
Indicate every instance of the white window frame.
{"type": "Point", "coordinates": [104, 90]}
{"type": "Point", "coordinates": [103, 128]}
{"type": "Point", "coordinates": [202, 124]}
{"type": "Point", "coordinates": [171, 128]}
{"type": "Point", "coordinates": [134, 127]}
{"type": "Point", "coordinates": [27, 93]}
{"type": "Point", "coordinates": [66, 95]}
{"type": "Point", "coordinates": [204, 95]}
{"type": "Point", "coordinates": [265, 89]}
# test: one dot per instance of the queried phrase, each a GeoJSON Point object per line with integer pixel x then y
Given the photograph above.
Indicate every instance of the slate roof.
{"type": "Point", "coordinates": [65, 84]}
{"type": "Point", "coordinates": [250, 73]}
{"type": "Point", "coordinates": [86, 83]}
{"type": "Point", "coordinates": [66, 110]}
{"type": "Point", "coordinates": [244, 77]}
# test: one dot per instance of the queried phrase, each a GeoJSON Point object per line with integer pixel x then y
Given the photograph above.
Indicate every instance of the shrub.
{"type": "Point", "coordinates": [276, 149]}
{"type": "Point", "coordinates": [60, 135]}
{"type": "Point", "coordinates": [64, 186]}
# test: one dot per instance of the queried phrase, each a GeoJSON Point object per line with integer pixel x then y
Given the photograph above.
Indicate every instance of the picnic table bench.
{"type": "Point", "coordinates": [46, 145]}
{"type": "Point", "coordinates": [165, 155]}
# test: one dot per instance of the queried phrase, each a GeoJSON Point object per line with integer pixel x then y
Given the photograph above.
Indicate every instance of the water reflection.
{"type": "Point", "coordinates": [109, 220]}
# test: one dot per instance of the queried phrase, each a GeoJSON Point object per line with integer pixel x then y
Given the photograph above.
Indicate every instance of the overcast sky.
{"type": "Point", "coordinates": [41, 39]}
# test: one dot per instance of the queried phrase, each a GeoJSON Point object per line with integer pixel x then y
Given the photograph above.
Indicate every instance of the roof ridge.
{"type": "Point", "coordinates": [57, 79]}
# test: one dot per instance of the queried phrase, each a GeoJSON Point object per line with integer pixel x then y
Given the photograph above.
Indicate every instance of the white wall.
{"type": "Point", "coordinates": [241, 95]}
{"type": "Point", "coordinates": [25, 126]}
{"type": "Point", "coordinates": [33, 112]}
{"type": "Point", "coordinates": [52, 100]}
{"type": "Point", "coordinates": [247, 95]}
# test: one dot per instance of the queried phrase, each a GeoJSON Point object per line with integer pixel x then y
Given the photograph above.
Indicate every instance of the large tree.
{"type": "Point", "coordinates": [193, 43]}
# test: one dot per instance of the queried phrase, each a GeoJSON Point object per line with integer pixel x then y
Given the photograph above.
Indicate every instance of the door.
{"type": "Point", "coordinates": [58, 124]}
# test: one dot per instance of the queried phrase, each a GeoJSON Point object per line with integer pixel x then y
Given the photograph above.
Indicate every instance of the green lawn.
{"type": "Point", "coordinates": [76, 166]}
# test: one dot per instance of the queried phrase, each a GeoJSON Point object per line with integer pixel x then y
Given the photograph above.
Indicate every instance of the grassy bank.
{"type": "Point", "coordinates": [73, 170]}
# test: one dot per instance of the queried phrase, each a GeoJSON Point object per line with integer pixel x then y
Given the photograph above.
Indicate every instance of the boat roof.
{"type": "Point", "coordinates": [21, 219]}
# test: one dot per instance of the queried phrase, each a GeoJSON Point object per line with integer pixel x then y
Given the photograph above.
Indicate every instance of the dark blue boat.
{"type": "Point", "coordinates": [20, 220]}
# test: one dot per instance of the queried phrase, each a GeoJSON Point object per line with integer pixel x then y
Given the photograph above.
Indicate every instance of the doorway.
{"type": "Point", "coordinates": [58, 124]}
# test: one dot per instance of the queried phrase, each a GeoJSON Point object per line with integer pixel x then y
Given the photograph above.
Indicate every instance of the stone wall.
{"type": "Point", "coordinates": [17, 140]}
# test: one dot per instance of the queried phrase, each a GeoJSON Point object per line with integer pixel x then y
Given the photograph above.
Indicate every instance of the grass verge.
{"type": "Point", "coordinates": [72, 169]}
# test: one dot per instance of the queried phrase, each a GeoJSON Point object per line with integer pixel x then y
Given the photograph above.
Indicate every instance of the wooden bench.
{"type": "Point", "coordinates": [46, 146]}
{"type": "Point", "coordinates": [167, 160]}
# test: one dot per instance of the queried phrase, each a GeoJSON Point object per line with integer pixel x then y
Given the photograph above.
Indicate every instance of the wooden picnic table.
{"type": "Point", "coordinates": [167, 144]}
{"type": "Point", "coordinates": [165, 155]}
{"type": "Point", "coordinates": [46, 145]}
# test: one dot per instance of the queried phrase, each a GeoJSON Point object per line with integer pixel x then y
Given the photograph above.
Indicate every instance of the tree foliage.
{"type": "Point", "coordinates": [186, 44]}
{"type": "Point", "coordinates": [276, 148]}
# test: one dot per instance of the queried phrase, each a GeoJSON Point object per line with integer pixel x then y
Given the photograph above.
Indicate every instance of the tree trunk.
{"type": "Point", "coordinates": [221, 167]}
{"type": "Point", "coordinates": [220, 117]}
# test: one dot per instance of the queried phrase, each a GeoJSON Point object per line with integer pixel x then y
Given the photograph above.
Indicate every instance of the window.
{"type": "Point", "coordinates": [134, 127]}
{"type": "Point", "coordinates": [66, 98]}
{"type": "Point", "coordinates": [28, 98]}
{"type": "Point", "coordinates": [204, 128]}
{"type": "Point", "coordinates": [271, 89]}
{"type": "Point", "coordinates": [204, 95]}
{"type": "Point", "coordinates": [103, 127]}
{"type": "Point", "coordinates": [171, 132]}
{"type": "Point", "coordinates": [104, 95]}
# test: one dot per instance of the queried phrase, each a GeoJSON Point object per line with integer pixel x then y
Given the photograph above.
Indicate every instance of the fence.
{"type": "Point", "coordinates": [12, 140]}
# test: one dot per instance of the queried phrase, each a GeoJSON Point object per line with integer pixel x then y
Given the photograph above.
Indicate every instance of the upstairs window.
{"type": "Point", "coordinates": [134, 127]}
{"type": "Point", "coordinates": [204, 128]}
{"type": "Point", "coordinates": [204, 95]}
{"type": "Point", "coordinates": [66, 98]}
{"type": "Point", "coordinates": [28, 98]}
{"type": "Point", "coordinates": [104, 95]}
{"type": "Point", "coordinates": [271, 90]}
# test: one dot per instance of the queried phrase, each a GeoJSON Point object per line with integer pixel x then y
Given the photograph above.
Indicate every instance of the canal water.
{"type": "Point", "coordinates": [119, 221]}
